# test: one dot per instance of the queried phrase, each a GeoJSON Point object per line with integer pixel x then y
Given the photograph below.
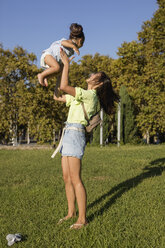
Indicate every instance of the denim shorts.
{"type": "Point", "coordinates": [73, 143]}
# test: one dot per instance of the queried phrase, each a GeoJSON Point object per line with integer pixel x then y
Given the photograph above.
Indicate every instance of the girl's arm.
{"type": "Point", "coordinates": [64, 78]}
{"type": "Point", "coordinates": [69, 43]}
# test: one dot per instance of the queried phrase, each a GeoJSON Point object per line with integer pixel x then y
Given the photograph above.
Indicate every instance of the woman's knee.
{"type": "Point", "coordinates": [76, 181]}
{"type": "Point", "coordinates": [66, 178]}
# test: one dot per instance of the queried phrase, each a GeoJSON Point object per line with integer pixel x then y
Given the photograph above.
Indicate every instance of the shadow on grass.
{"type": "Point", "coordinates": [155, 168]}
{"type": "Point", "coordinates": [24, 237]}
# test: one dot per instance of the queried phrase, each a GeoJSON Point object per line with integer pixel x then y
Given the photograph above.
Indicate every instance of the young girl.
{"type": "Point", "coordinates": [51, 59]}
{"type": "Point", "coordinates": [73, 143]}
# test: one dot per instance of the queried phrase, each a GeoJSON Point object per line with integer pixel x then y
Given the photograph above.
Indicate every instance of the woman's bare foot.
{"type": "Point", "coordinates": [66, 218]}
{"type": "Point", "coordinates": [78, 225]}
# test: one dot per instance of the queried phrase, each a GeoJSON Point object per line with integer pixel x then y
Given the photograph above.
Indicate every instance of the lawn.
{"type": "Point", "coordinates": [126, 198]}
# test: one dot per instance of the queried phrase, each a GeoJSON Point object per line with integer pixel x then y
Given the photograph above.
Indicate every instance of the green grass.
{"type": "Point", "coordinates": [126, 198]}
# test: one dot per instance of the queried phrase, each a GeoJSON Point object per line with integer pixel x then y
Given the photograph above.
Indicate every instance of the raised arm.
{"type": "Point", "coordinates": [64, 78]}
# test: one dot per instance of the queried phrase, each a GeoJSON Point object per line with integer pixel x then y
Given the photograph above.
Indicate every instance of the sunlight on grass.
{"type": "Point", "coordinates": [125, 188]}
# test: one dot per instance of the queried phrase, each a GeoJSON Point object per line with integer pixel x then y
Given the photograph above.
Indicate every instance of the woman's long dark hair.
{"type": "Point", "coordinates": [106, 94]}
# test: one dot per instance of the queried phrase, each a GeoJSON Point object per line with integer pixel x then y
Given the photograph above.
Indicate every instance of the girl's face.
{"type": "Point", "coordinates": [79, 42]}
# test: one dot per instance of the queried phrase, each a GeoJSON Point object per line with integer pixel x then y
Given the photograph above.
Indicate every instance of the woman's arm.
{"type": "Point", "coordinates": [64, 78]}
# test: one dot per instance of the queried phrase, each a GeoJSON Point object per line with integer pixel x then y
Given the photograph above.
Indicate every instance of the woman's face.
{"type": "Point", "coordinates": [93, 78]}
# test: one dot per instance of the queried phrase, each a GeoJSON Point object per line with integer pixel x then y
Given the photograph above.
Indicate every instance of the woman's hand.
{"type": "Point", "coordinates": [71, 58]}
{"type": "Point", "coordinates": [64, 57]}
{"type": "Point", "coordinates": [97, 86]}
{"type": "Point", "coordinates": [59, 98]}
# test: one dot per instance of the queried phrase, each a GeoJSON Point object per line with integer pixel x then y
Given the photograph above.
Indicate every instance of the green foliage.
{"type": "Point", "coordinates": [128, 125]}
{"type": "Point", "coordinates": [17, 78]}
{"type": "Point", "coordinates": [153, 81]}
{"type": "Point", "coordinates": [24, 104]}
{"type": "Point", "coordinates": [140, 68]}
{"type": "Point", "coordinates": [79, 72]}
{"type": "Point", "coordinates": [49, 115]}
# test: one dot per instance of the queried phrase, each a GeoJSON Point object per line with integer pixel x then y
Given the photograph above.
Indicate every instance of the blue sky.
{"type": "Point", "coordinates": [35, 24]}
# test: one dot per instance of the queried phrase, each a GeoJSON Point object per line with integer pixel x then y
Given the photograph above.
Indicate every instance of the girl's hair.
{"type": "Point", "coordinates": [106, 94]}
{"type": "Point", "coordinates": [76, 31]}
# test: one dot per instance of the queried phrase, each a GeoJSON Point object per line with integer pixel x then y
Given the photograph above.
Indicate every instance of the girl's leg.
{"type": "Point", "coordinates": [70, 194]}
{"type": "Point", "coordinates": [54, 67]}
{"type": "Point", "coordinates": [75, 175]}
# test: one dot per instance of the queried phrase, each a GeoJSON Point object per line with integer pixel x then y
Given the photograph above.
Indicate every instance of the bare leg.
{"type": "Point", "coordinates": [70, 194]}
{"type": "Point", "coordinates": [54, 67]}
{"type": "Point", "coordinates": [75, 175]}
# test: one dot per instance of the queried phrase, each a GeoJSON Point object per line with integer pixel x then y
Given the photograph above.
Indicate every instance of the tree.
{"type": "Point", "coordinates": [24, 104]}
{"type": "Point", "coordinates": [128, 125]}
{"type": "Point", "coordinates": [140, 68]}
{"type": "Point", "coordinates": [153, 82]}
{"type": "Point", "coordinates": [48, 115]}
{"type": "Point", "coordinates": [16, 76]}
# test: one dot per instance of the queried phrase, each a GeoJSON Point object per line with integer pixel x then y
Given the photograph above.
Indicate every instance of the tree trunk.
{"type": "Point", "coordinates": [28, 136]}
{"type": "Point", "coordinates": [14, 139]}
{"type": "Point", "coordinates": [148, 137]}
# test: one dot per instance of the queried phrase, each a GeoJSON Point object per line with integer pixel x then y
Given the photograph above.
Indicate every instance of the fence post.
{"type": "Point", "coordinates": [118, 123]}
{"type": "Point", "coordinates": [101, 128]}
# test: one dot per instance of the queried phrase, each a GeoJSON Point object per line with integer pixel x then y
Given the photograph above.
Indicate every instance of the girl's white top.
{"type": "Point", "coordinates": [54, 50]}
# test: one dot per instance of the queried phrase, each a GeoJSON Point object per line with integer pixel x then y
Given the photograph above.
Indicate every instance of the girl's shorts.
{"type": "Point", "coordinates": [73, 143]}
{"type": "Point", "coordinates": [42, 60]}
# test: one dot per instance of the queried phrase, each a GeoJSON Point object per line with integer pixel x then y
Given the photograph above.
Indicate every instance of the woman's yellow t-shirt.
{"type": "Point", "coordinates": [76, 114]}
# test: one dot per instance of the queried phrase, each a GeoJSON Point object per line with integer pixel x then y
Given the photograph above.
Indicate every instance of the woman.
{"type": "Point", "coordinates": [73, 144]}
